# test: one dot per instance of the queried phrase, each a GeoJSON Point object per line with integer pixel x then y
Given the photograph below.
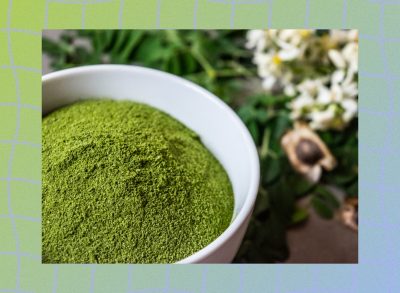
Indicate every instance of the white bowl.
{"type": "Point", "coordinates": [219, 127]}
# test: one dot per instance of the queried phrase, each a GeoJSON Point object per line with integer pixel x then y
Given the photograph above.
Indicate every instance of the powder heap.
{"type": "Point", "coordinates": [126, 183]}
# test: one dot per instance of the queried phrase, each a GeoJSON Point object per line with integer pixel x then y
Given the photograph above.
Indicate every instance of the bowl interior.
{"type": "Point", "coordinates": [219, 128]}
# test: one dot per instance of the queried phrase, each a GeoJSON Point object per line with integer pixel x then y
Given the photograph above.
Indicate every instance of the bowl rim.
{"type": "Point", "coordinates": [251, 193]}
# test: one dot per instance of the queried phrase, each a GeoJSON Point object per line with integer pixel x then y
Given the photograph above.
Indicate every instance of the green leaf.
{"type": "Point", "coordinates": [352, 190]}
{"type": "Point", "coordinates": [175, 66]}
{"type": "Point", "coordinates": [267, 100]}
{"type": "Point", "coordinates": [261, 115]}
{"type": "Point", "coordinates": [121, 39]}
{"type": "Point", "coordinates": [51, 48]}
{"type": "Point", "coordinates": [270, 170]}
{"type": "Point", "coordinates": [190, 63]}
{"type": "Point", "coordinates": [134, 39]}
{"type": "Point", "coordinates": [322, 208]}
{"type": "Point", "coordinates": [299, 216]}
{"type": "Point", "coordinates": [262, 204]}
{"type": "Point", "coordinates": [282, 200]}
{"type": "Point", "coordinates": [324, 202]}
{"type": "Point", "coordinates": [253, 128]}
{"type": "Point", "coordinates": [282, 124]}
{"type": "Point", "coordinates": [264, 150]}
{"type": "Point", "coordinates": [265, 242]}
{"type": "Point", "coordinates": [327, 196]}
{"type": "Point", "coordinates": [340, 178]}
{"type": "Point", "coordinates": [150, 51]}
{"type": "Point", "coordinates": [299, 185]}
{"type": "Point", "coordinates": [247, 113]}
{"type": "Point", "coordinates": [175, 39]}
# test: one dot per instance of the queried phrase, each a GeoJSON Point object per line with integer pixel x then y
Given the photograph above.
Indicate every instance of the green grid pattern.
{"type": "Point", "coordinates": [21, 22]}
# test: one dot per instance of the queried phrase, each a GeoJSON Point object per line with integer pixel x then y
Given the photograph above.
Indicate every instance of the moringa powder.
{"type": "Point", "coordinates": [126, 183]}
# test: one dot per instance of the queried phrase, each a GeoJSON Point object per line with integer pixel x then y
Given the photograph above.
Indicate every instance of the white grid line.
{"type": "Point", "coordinates": [158, 14]}
{"type": "Point", "coordinates": [31, 181]}
{"type": "Point", "coordinates": [240, 2]}
{"type": "Point", "coordinates": [233, 12]}
{"type": "Point", "coordinates": [241, 279]}
{"type": "Point", "coordinates": [46, 15]}
{"type": "Point", "coordinates": [83, 14]}
{"type": "Point", "coordinates": [23, 31]}
{"type": "Point", "coordinates": [386, 2]}
{"type": "Point", "coordinates": [167, 279]}
{"type": "Point", "coordinates": [27, 106]}
{"type": "Point", "coordinates": [13, 291]}
{"type": "Point", "coordinates": [18, 67]}
{"type": "Point", "coordinates": [31, 144]}
{"type": "Point", "coordinates": [130, 273]}
{"type": "Point", "coordinates": [22, 254]}
{"type": "Point", "coordinates": [364, 36]}
{"type": "Point", "coordinates": [196, 9]}
{"type": "Point", "coordinates": [269, 14]}
{"type": "Point", "coordinates": [366, 74]}
{"type": "Point", "coordinates": [344, 14]}
{"type": "Point", "coordinates": [389, 135]}
{"type": "Point", "coordinates": [12, 152]}
{"type": "Point", "coordinates": [120, 13]}
{"type": "Point", "coordinates": [92, 278]}
{"type": "Point", "coordinates": [204, 273]}
{"type": "Point", "coordinates": [82, 2]}
{"type": "Point", "coordinates": [18, 217]}
{"type": "Point", "coordinates": [55, 279]}
{"type": "Point", "coordinates": [307, 15]}
{"type": "Point", "coordinates": [153, 290]}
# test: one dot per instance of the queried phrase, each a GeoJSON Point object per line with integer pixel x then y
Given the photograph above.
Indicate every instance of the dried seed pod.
{"type": "Point", "coordinates": [307, 153]}
{"type": "Point", "coordinates": [349, 213]}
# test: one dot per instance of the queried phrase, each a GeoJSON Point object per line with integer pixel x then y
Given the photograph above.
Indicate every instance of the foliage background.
{"type": "Point", "coordinates": [20, 39]}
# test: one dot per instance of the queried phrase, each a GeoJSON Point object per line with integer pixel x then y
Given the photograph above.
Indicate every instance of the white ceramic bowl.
{"type": "Point", "coordinates": [218, 126]}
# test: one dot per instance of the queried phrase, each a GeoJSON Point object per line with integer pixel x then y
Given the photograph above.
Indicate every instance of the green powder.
{"type": "Point", "coordinates": [126, 183]}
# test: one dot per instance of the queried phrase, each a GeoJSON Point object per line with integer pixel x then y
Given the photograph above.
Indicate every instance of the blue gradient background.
{"type": "Point", "coordinates": [21, 23]}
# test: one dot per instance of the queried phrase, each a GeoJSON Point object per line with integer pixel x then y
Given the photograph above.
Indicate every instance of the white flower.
{"type": "Point", "coordinates": [287, 34]}
{"type": "Point", "coordinates": [346, 58]}
{"type": "Point", "coordinates": [269, 82]}
{"type": "Point", "coordinates": [302, 101]}
{"type": "Point", "coordinates": [289, 90]}
{"type": "Point", "coordinates": [343, 36]}
{"type": "Point", "coordinates": [336, 93]}
{"type": "Point", "coordinates": [324, 96]}
{"type": "Point", "coordinates": [289, 53]}
{"type": "Point", "coordinates": [322, 119]}
{"type": "Point", "coordinates": [310, 86]}
{"type": "Point", "coordinates": [319, 71]}
{"type": "Point", "coordinates": [350, 90]}
{"type": "Point", "coordinates": [350, 109]}
{"type": "Point", "coordinates": [339, 36]}
{"type": "Point", "coordinates": [256, 39]}
{"type": "Point", "coordinates": [338, 76]}
{"type": "Point", "coordinates": [295, 37]}
{"type": "Point", "coordinates": [350, 54]}
{"type": "Point", "coordinates": [352, 35]}
{"type": "Point", "coordinates": [337, 59]}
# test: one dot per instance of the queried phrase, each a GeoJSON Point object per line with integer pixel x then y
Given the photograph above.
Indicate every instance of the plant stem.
{"type": "Point", "coordinates": [211, 72]}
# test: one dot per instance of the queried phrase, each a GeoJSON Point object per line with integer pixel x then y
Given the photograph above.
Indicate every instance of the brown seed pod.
{"type": "Point", "coordinates": [307, 153]}
{"type": "Point", "coordinates": [349, 213]}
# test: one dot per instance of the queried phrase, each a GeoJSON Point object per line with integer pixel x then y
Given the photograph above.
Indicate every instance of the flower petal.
{"type": "Point", "coordinates": [337, 58]}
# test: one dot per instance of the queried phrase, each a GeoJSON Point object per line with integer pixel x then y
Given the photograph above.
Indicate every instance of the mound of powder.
{"type": "Point", "coordinates": [126, 183]}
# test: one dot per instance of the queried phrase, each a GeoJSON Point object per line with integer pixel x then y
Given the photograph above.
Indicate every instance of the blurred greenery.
{"type": "Point", "coordinates": [214, 59]}
{"type": "Point", "coordinates": [218, 61]}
